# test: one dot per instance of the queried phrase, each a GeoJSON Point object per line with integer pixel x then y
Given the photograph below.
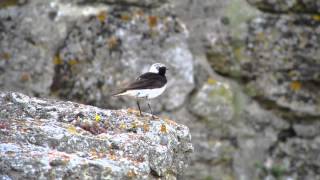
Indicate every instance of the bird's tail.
{"type": "Point", "coordinates": [117, 93]}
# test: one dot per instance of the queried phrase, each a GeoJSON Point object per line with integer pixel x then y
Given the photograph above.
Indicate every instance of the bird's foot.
{"type": "Point", "coordinates": [154, 117]}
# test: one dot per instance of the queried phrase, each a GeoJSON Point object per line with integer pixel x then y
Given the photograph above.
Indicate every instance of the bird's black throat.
{"type": "Point", "coordinates": [162, 71]}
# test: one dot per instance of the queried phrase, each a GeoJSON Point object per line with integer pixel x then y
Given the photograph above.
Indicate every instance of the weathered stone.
{"type": "Point", "coordinates": [297, 157]}
{"type": "Point", "coordinates": [285, 63]}
{"type": "Point", "coordinates": [213, 101]}
{"type": "Point", "coordinates": [45, 138]}
{"type": "Point", "coordinates": [288, 6]}
{"type": "Point", "coordinates": [139, 3]}
{"type": "Point", "coordinates": [28, 39]}
{"type": "Point", "coordinates": [106, 51]}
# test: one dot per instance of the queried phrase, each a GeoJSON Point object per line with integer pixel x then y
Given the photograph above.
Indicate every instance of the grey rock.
{"type": "Point", "coordinates": [139, 3]}
{"type": "Point", "coordinates": [307, 130]}
{"type": "Point", "coordinates": [285, 63]}
{"type": "Point", "coordinates": [214, 101]}
{"type": "Point", "coordinates": [103, 53]}
{"type": "Point", "coordinates": [46, 138]}
{"type": "Point", "coordinates": [299, 157]}
{"type": "Point", "coordinates": [288, 6]}
{"type": "Point", "coordinates": [28, 38]}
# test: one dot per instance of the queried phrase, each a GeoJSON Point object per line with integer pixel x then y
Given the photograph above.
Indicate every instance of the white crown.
{"type": "Point", "coordinates": [155, 67]}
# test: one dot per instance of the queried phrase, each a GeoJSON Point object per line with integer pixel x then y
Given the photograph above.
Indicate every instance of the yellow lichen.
{"type": "Point", "coordinates": [73, 62]}
{"type": "Point", "coordinates": [134, 125]}
{"type": "Point", "coordinates": [295, 85]}
{"type": "Point", "coordinates": [102, 16]}
{"type": "Point", "coordinates": [211, 81]}
{"type": "Point", "coordinates": [6, 56]}
{"type": "Point", "coordinates": [72, 130]}
{"type": "Point", "coordinates": [122, 125]}
{"type": "Point", "coordinates": [316, 17]}
{"type": "Point", "coordinates": [57, 60]}
{"type": "Point", "coordinates": [97, 118]}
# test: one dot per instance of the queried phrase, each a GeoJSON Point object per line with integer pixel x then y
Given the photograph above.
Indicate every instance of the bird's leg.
{"type": "Point", "coordinates": [150, 108]}
{"type": "Point", "coordinates": [139, 106]}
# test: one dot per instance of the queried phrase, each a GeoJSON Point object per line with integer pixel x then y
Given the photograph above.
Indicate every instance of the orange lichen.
{"type": "Point", "coordinates": [112, 156]}
{"type": "Point", "coordinates": [146, 127]}
{"type": "Point", "coordinates": [102, 16]}
{"type": "Point", "coordinates": [56, 154]}
{"type": "Point", "coordinates": [95, 154]}
{"type": "Point", "coordinates": [125, 17]}
{"type": "Point", "coordinates": [295, 85]}
{"type": "Point", "coordinates": [10, 153]}
{"type": "Point", "coordinates": [25, 76]}
{"type": "Point", "coordinates": [112, 42]}
{"type": "Point", "coordinates": [153, 21]}
{"type": "Point", "coordinates": [170, 121]}
{"type": "Point", "coordinates": [57, 60]}
{"type": "Point", "coordinates": [163, 128]}
{"type": "Point", "coordinates": [131, 173]}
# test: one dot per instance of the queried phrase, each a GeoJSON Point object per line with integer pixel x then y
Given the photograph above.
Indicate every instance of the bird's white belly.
{"type": "Point", "coordinates": [145, 93]}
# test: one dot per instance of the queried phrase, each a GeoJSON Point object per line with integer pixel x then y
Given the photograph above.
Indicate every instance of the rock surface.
{"type": "Point", "coordinates": [262, 126]}
{"type": "Point", "coordinates": [55, 139]}
{"type": "Point", "coordinates": [288, 6]}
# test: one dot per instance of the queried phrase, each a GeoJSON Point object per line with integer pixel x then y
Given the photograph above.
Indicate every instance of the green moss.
{"type": "Point", "coordinates": [222, 91]}
{"type": "Point", "coordinates": [278, 171]}
{"type": "Point", "coordinates": [238, 18]}
{"type": "Point", "coordinates": [208, 178]}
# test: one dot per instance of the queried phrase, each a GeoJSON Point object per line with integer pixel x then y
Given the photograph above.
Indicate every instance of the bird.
{"type": "Point", "coordinates": [147, 86]}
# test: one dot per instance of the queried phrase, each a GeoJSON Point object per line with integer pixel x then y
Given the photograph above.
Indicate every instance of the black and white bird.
{"type": "Point", "coordinates": [147, 86]}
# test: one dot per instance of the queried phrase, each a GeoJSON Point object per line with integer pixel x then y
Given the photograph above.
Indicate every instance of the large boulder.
{"type": "Point", "coordinates": [43, 138]}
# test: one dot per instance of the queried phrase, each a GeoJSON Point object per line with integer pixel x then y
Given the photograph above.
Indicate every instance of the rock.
{"type": "Point", "coordinates": [139, 3]}
{"type": "Point", "coordinates": [106, 51]}
{"type": "Point", "coordinates": [47, 138]}
{"type": "Point", "coordinates": [297, 157]}
{"type": "Point", "coordinates": [28, 39]}
{"type": "Point", "coordinates": [85, 52]}
{"type": "Point", "coordinates": [285, 63]}
{"type": "Point", "coordinates": [256, 132]}
{"type": "Point", "coordinates": [213, 101]}
{"type": "Point", "coordinates": [288, 6]}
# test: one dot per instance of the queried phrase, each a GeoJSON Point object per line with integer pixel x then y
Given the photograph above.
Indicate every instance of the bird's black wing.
{"type": "Point", "coordinates": [147, 81]}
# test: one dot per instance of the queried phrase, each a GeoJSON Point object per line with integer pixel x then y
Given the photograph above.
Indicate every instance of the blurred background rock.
{"type": "Point", "coordinates": [244, 75]}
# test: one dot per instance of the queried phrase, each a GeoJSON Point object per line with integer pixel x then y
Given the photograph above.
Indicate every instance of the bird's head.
{"type": "Point", "coordinates": [158, 68]}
